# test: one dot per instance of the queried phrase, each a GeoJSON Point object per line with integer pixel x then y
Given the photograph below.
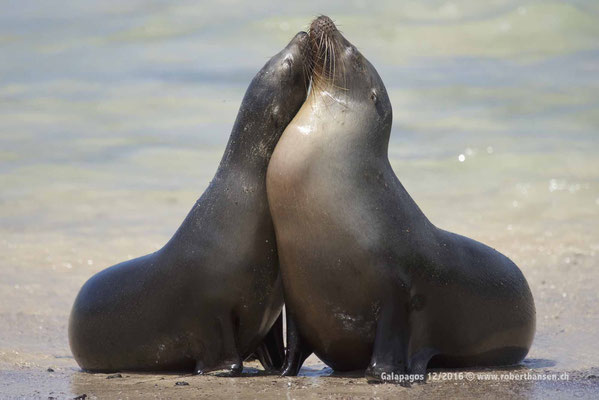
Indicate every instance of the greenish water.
{"type": "Point", "coordinates": [114, 115]}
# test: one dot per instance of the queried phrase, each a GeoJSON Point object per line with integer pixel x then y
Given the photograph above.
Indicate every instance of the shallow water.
{"type": "Point", "coordinates": [114, 115]}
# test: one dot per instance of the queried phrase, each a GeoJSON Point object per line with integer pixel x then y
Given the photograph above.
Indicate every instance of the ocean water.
{"type": "Point", "coordinates": [114, 116]}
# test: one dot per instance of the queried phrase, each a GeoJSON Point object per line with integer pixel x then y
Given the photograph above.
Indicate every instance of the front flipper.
{"type": "Point", "coordinates": [226, 355]}
{"type": "Point", "coordinates": [297, 349]}
{"type": "Point", "coordinates": [420, 361]}
{"type": "Point", "coordinates": [271, 352]}
{"type": "Point", "coordinates": [389, 362]}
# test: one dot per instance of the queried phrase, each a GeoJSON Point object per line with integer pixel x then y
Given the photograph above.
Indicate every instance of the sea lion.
{"type": "Point", "coordinates": [369, 282]}
{"type": "Point", "coordinates": [212, 295]}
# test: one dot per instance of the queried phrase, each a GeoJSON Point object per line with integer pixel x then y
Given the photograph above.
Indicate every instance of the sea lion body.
{"type": "Point", "coordinates": [369, 281]}
{"type": "Point", "coordinates": [212, 295]}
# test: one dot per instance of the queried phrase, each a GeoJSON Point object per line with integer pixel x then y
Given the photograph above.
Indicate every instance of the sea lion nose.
{"type": "Point", "coordinates": [322, 25]}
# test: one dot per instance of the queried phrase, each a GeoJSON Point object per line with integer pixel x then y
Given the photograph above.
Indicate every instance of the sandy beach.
{"type": "Point", "coordinates": [113, 119]}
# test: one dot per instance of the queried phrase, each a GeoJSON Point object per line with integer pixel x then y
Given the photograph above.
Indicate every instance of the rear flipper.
{"type": "Point", "coordinates": [271, 352]}
{"type": "Point", "coordinates": [297, 349]}
{"type": "Point", "coordinates": [226, 356]}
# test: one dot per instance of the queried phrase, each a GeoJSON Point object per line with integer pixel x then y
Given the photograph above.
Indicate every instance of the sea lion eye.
{"type": "Point", "coordinates": [288, 61]}
{"type": "Point", "coordinates": [373, 96]}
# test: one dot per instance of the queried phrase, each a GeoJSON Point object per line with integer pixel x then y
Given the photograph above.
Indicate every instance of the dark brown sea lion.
{"type": "Point", "coordinates": [212, 295]}
{"type": "Point", "coordinates": [370, 283]}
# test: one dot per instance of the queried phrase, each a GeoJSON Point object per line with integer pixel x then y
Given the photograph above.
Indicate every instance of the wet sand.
{"type": "Point", "coordinates": [35, 311]}
{"type": "Point", "coordinates": [114, 116]}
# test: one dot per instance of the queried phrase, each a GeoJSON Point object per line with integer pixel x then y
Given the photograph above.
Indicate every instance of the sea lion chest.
{"type": "Point", "coordinates": [326, 242]}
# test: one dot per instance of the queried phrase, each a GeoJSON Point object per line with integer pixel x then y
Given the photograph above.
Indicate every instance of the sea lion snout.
{"type": "Point", "coordinates": [322, 25]}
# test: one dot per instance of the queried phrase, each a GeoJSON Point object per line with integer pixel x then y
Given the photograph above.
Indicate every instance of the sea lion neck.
{"type": "Point", "coordinates": [251, 142]}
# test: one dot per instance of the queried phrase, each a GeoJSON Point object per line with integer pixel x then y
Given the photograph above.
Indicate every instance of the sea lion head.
{"type": "Point", "coordinates": [281, 86]}
{"type": "Point", "coordinates": [271, 101]}
{"type": "Point", "coordinates": [342, 73]}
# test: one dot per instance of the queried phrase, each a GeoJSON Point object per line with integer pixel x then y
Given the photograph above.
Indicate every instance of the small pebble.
{"type": "Point", "coordinates": [181, 383]}
{"type": "Point", "coordinates": [114, 376]}
{"type": "Point", "coordinates": [50, 370]}
{"type": "Point", "coordinates": [80, 397]}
